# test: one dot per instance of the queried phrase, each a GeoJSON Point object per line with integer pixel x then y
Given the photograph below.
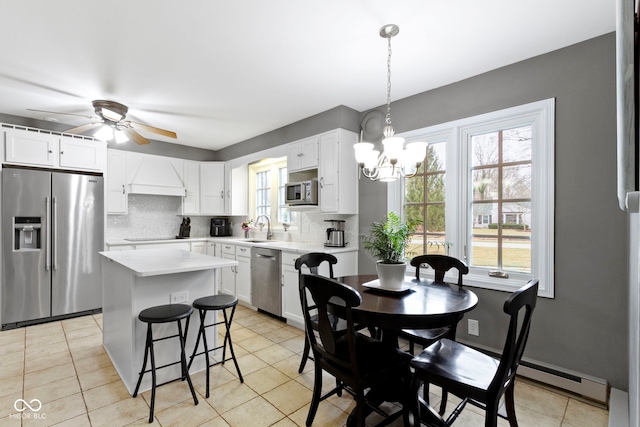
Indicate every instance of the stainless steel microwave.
{"type": "Point", "coordinates": [302, 193]}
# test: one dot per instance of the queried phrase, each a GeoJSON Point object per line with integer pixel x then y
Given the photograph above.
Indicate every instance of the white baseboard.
{"type": "Point", "coordinates": [619, 408]}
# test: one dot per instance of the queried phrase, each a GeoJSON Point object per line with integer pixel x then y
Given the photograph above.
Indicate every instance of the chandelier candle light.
{"type": "Point", "coordinates": [389, 165]}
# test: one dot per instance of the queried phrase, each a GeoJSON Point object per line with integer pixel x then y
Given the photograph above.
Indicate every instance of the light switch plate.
{"type": "Point", "coordinates": [473, 327]}
{"type": "Point", "coordinates": [179, 297]}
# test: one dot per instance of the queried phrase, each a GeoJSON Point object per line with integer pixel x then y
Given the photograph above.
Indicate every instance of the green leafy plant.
{"type": "Point", "coordinates": [388, 239]}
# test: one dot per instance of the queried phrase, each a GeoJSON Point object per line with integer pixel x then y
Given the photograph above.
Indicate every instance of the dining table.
{"type": "Point", "coordinates": [418, 304]}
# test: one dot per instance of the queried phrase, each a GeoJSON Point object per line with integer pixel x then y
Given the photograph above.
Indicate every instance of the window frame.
{"type": "Point", "coordinates": [273, 165]}
{"type": "Point", "coordinates": [540, 115]}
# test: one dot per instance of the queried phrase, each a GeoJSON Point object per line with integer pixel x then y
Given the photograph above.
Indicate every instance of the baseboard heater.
{"type": "Point", "coordinates": [596, 389]}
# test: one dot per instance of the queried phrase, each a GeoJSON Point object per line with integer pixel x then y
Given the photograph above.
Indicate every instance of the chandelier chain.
{"type": "Point", "coordinates": [389, 82]}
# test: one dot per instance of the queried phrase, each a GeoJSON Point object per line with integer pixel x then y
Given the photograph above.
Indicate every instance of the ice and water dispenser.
{"type": "Point", "coordinates": [27, 233]}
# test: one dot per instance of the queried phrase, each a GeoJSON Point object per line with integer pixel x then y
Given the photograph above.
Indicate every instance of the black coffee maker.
{"type": "Point", "coordinates": [220, 227]}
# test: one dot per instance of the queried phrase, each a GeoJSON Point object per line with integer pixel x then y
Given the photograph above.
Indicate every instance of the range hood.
{"type": "Point", "coordinates": [149, 174]}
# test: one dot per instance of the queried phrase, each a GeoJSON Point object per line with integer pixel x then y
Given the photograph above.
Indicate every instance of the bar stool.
{"type": "Point", "coordinates": [215, 302]}
{"type": "Point", "coordinates": [165, 314]}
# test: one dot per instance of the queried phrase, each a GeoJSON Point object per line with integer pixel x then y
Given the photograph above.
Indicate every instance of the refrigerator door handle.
{"type": "Point", "coordinates": [47, 240]}
{"type": "Point", "coordinates": [54, 234]}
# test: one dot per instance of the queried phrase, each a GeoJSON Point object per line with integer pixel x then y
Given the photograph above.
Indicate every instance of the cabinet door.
{"type": "Point", "coordinates": [191, 201]}
{"type": "Point", "coordinates": [81, 154]}
{"type": "Point", "coordinates": [212, 187]}
{"type": "Point", "coordinates": [228, 277]}
{"type": "Point", "coordinates": [31, 148]}
{"type": "Point", "coordinates": [243, 279]}
{"type": "Point", "coordinates": [328, 173]}
{"type": "Point", "coordinates": [210, 249]}
{"type": "Point", "coordinates": [198, 247]}
{"type": "Point", "coordinates": [291, 306]}
{"type": "Point", "coordinates": [302, 154]}
{"type": "Point", "coordinates": [117, 199]}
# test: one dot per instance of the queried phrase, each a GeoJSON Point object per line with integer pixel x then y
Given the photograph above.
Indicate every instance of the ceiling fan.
{"type": "Point", "coordinates": [112, 123]}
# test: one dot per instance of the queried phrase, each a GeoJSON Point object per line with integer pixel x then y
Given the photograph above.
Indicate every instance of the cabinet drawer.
{"type": "Point", "coordinates": [243, 251]}
{"type": "Point", "coordinates": [289, 259]}
{"type": "Point", "coordinates": [228, 249]}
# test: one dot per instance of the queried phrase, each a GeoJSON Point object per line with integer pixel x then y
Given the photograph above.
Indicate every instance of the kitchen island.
{"type": "Point", "coordinates": [135, 280]}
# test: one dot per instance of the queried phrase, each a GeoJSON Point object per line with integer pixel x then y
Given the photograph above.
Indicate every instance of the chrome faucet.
{"type": "Point", "coordinates": [269, 233]}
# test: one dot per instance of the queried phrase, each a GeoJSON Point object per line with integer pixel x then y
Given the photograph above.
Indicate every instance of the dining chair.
{"type": "Point", "coordinates": [473, 376]}
{"type": "Point", "coordinates": [425, 337]}
{"type": "Point", "coordinates": [312, 261]}
{"type": "Point", "coordinates": [357, 361]}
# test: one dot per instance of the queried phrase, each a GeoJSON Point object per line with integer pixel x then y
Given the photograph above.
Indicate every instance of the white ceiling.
{"type": "Point", "coordinates": [220, 72]}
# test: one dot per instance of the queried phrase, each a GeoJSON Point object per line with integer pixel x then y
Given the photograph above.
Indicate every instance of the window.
{"type": "Point", "coordinates": [267, 183]}
{"type": "Point", "coordinates": [485, 194]}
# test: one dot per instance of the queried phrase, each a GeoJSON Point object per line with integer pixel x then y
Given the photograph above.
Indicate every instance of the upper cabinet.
{"type": "Point", "coordinates": [117, 199]}
{"type": "Point", "coordinates": [303, 154]}
{"type": "Point", "coordinates": [338, 172]}
{"type": "Point", "coordinates": [212, 188]}
{"type": "Point", "coordinates": [191, 201]}
{"type": "Point", "coordinates": [35, 148]}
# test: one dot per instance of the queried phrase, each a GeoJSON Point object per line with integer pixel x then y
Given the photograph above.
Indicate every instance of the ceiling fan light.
{"type": "Point", "coordinates": [105, 133]}
{"type": "Point", "coordinates": [120, 137]}
{"type": "Point", "coordinates": [111, 115]}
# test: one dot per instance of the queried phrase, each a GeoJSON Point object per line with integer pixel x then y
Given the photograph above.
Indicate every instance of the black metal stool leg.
{"type": "Point", "coordinates": [195, 348]}
{"type": "Point", "coordinates": [183, 358]}
{"type": "Point", "coordinates": [228, 335]}
{"type": "Point", "coordinates": [144, 364]}
{"type": "Point", "coordinates": [153, 375]}
{"type": "Point", "coordinates": [203, 315]}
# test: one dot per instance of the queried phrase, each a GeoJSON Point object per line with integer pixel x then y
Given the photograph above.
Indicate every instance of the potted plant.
{"type": "Point", "coordinates": [387, 241]}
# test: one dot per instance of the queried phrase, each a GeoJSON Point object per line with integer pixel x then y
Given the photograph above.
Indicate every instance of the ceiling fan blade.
{"type": "Point", "coordinates": [83, 128]}
{"type": "Point", "coordinates": [153, 129]}
{"type": "Point", "coordinates": [132, 134]}
{"type": "Point", "coordinates": [66, 114]}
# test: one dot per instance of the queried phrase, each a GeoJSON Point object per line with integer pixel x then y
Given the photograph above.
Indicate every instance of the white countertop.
{"type": "Point", "coordinates": [299, 247]}
{"type": "Point", "coordinates": [154, 262]}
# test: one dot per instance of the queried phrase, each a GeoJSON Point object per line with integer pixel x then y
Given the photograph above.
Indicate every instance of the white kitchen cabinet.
{"type": "Point", "coordinates": [31, 148]}
{"type": "Point", "coordinates": [338, 173]}
{"type": "Point", "coordinates": [210, 249]}
{"type": "Point", "coordinates": [302, 155]}
{"type": "Point", "coordinates": [191, 201]}
{"type": "Point", "coordinates": [347, 265]}
{"type": "Point", "coordinates": [243, 274]}
{"type": "Point", "coordinates": [228, 274]}
{"type": "Point", "coordinates": [291, 306]}
{"type": "Point", "coordinates": [34, 148]}
{"type": "Point", "coordinates": [117, 198]}
{"type": "Point", "coordinates": [198, 247]}
{"type": "Point", "coordinates": [77, 153]}
{"type": "Point", "coordinates": [212, 188]}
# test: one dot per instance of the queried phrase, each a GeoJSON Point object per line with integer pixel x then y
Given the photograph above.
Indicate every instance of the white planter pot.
{"type": "Point", "coordinates": [391, 275]}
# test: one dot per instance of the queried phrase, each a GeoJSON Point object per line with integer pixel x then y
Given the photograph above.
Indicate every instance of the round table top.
{"type": "Point", "coordinates": [425, 305]}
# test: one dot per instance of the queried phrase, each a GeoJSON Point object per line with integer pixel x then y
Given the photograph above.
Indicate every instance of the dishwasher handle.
{"type": "Point", "coordinates": [271, 257]}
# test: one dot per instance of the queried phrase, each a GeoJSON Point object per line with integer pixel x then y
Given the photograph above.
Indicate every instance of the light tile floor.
{"type": "Point", "coordinates": [63, 365]}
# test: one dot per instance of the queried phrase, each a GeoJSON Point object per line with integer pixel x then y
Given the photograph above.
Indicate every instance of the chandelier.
{"type": "Point", "coordinates": [395, 158]}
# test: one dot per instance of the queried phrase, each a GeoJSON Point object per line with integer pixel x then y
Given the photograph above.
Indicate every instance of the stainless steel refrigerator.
{"type": "Point", "coordinates": [52, 231]}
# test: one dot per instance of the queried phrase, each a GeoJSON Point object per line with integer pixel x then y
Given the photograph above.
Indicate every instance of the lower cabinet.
{"type": "Point", "coordinates": [243, 274]}
{"type": "Point", "coordinates": [198, 247]}
{"type": "Point", "coordinates": [291, 307]}
{"type": "Point", "coordinates": [236, 280]}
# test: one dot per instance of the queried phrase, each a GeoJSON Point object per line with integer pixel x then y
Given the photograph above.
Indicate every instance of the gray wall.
{"type": "Point", "coordinates": [584, 327]}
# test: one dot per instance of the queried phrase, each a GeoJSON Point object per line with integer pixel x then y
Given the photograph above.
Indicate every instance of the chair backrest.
{"type": "Point", "coordinates": [326, 346]}
{"type": "Point", "coordinates": [519, 306]}
{"type": "Point", "coordinates": [441, 264]}
{"type": "Point", "coordinates": [313, 260]}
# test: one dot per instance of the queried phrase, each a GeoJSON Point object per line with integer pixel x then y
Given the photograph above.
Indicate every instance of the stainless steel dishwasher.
{"type": "Point", "coordinates": [266, 289]}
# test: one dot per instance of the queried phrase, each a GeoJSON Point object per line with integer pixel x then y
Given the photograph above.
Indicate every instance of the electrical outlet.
{"type": "Point", "coordinates": [179, 297]}
{"type": "Point", "coordinates": [473, 327]}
